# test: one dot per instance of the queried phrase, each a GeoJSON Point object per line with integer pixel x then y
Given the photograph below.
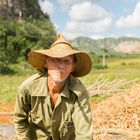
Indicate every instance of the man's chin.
{"type": "Point", "coordinates": [56, 80]}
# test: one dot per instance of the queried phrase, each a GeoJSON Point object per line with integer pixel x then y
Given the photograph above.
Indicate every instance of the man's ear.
{"type": "Point", "coordinates": [45, 64]}
{"type": "Point", "coordinates": [73, 66]}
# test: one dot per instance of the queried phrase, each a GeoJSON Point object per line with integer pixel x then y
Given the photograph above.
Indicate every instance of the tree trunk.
{"type": "Point", "coordinates": [104, 63]}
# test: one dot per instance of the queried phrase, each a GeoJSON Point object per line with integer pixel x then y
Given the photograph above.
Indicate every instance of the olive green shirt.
{"type": "Point", "coordinates": [35, 119]}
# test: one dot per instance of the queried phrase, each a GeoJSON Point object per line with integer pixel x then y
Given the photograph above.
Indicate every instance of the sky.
{"type": "Point", "coordinates": [94, 18]}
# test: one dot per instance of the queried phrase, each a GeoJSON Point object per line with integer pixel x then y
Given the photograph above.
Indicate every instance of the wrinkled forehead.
{"type": "Point", "coordinates": [69, 57]}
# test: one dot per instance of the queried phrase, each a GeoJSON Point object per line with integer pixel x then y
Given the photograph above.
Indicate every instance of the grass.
{"type": "Point", "coordinates": [99, 98]}
{"type": "Point", "coordinates": [116, 70]}
{"type": "Point", "coordinates": [128, 69]}
{"type": "Point", "coordinates": [8, 86]}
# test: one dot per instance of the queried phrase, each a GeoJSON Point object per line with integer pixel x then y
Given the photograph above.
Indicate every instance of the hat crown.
{"type": "Point", "coordinates": [61, 40]}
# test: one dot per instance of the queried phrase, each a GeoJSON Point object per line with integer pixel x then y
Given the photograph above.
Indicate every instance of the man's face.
{"type": "Point", "coordinates": [59, 68]}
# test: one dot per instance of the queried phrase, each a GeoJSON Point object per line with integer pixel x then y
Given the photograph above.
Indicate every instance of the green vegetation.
{"type": "Point", "coordinates": [17, 39]}
{"type": "Point", "coordinates": [115, 70]}
{"type": "Point", "coordinates": [24, 27]}
{"type": "Point", "coordinates": [8, 86]}
{"type": "Point", "coordinates": [99, 98]}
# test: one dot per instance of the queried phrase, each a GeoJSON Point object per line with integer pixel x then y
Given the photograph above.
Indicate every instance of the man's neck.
{"type": "Point", "coordinates": [54, 87]}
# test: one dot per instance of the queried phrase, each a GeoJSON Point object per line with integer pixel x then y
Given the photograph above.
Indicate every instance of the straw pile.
{"type": "Point", "coordinates": [119, 114]}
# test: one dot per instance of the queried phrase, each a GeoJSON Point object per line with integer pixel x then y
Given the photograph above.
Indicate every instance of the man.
{"type": "Point", "coordinates": [53, 104]}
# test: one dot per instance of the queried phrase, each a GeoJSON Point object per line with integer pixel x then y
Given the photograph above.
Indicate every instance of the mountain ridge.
{"type": "Point", "coordinates": [20, 9]}
{"type": "Point", "coordinates": [130, 45]}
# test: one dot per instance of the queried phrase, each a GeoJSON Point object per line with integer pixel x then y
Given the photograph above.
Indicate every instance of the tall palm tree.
{"type": "Point", "coordinates": [105, 51]}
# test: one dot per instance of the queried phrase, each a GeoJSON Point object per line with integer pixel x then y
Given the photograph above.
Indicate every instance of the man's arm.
{"type": "Point", "coordinates": [21, 114]}
{"type": "Point", "coordinates": [82, 119]}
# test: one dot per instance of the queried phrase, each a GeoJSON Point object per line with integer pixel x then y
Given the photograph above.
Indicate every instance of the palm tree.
{"type": "Point", "coordinates": [105, 51]}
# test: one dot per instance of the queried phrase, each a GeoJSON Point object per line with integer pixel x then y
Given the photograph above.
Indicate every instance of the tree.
{"type": "Point", "coordinates": [23, 27]}
{"type": "Point", "coordinates": [105, 51]}
{"type": "Point", "coordinates": [17, 39]}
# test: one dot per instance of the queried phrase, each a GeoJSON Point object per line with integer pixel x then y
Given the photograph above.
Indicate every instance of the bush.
{"type": "Point", "coordinates": [95, 58]}
{"type": "Point", "coordinates": [131, 63]}
{"type": "Point", "coordinates": [99, 66]}
{"type": "Point", "coordinates": [4, 69]}
{"type": "Point", "coordinates": [123, 63]}
{"type": "Point", "coordinates": [17, 39]}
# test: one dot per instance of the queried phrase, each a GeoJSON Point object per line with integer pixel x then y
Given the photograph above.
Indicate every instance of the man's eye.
{"type": "Point", "coordinates": [55, 60]}
{"type": "Point", "coordinates": [67, 62]}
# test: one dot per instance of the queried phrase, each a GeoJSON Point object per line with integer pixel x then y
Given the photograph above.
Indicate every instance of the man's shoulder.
{"type": "Point", "coordinates": [76, 83]}
{"type": "Point", "coordinates": [78, 87]}
{"type": "Point", "coordinates": [30, 80]}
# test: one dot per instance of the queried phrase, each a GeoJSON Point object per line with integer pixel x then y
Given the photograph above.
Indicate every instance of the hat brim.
{"type": "Point", "coordinates": [83, 62]}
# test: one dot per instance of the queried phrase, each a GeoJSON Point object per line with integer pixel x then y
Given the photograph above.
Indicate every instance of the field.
{"type": "Point", "coordinates": [120, 69]}
{"type": "Point", "coordinates": [126, 69]}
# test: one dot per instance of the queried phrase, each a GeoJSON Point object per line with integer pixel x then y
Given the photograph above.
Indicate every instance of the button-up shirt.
{"type": "Point", "coordinates": [35, 119]}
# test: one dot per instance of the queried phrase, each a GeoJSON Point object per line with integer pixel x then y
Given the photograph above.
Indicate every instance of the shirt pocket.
{"type": "Point", "coordinates": [38, 130]}
{"type": "Point", "coordinates": [67, 129]}
{"type": "Point", "coordinates": [36, 119]}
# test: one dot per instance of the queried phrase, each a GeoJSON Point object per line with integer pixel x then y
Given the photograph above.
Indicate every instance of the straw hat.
{"type": "Point", "coordinates": [61, 48]}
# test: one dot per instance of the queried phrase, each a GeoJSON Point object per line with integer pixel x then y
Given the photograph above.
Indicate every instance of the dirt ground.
{"type": "Point", "coordinates": [6, 110]}
{"type": "Point", "coordinates": [6, 116]}
{"type": "Point", "coordinates": [118, 111]}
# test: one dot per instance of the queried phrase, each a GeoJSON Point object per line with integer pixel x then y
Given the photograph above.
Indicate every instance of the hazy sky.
{"type": "Point", "coordinates": [94, 18]}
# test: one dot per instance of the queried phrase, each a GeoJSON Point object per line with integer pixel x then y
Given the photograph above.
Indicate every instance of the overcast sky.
{"type": "Point", "coordinates": [94, 18]}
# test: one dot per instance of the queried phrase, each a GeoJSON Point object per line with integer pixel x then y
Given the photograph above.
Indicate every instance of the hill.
{"type": "Point", "coordinates": [23, 28]}
{"type": "Point", "coordinates": [113, 45]}
{"type": "Point", "coordinates": [20, 9]}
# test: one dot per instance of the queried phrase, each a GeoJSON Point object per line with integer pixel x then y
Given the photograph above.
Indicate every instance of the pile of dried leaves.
{"type": "Point", "coordinates": [118, 115]}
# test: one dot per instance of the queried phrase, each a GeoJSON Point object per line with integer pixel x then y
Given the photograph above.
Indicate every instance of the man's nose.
{"type": "Point", "coordinates": [62, 64]}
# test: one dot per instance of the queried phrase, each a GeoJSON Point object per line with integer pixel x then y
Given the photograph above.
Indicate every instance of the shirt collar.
{"type": "Point", "coordinates": [65, 90]}
{"type": "Point", "coordinates": [71, 85]}
{"type": "Point", "coordinates": [40, 87]}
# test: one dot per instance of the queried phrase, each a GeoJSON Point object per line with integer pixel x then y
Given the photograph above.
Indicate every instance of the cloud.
{"type": "Point", "coordinates": [46, 7]}
{"type": "Point", "coordinates": [88, 18]}
{"type": "Point", "coordinates": [95, 26]}
{"type": "Point", "coordinates": [72, 36]}
{"type": "Point", "coordinates": [130, 21]}
{"type": "Point", "coordinates": [129, 35]}
{"type": "Point", "coordinates": [87, 11]}
{"type": "Point", "coordinates": [97, 36]}
{"type": "Point", "coordinates": [66, 4]}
